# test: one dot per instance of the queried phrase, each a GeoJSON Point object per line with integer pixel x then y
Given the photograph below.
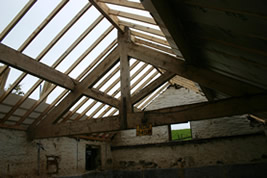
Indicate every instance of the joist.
{"type": "Point", "coordinates": [101, 96]}
{"type": "Point", "coordinates": [77, 128]}
{"type": "Point", "coordinates": [124, 3]}
{"type": "Point", "coordinates": [202, 76]}
{"type": "Point", "coordinates": [104, 9]}
{"type": "Point", "coordinates": [152, 86]}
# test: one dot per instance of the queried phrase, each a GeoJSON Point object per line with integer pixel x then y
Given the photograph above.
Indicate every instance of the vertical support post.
{"type": "Point", "coordinates": [124, 39]}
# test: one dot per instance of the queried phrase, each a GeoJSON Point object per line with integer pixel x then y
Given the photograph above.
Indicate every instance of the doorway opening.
{"type": "Point", "coordinates": [92, 157]}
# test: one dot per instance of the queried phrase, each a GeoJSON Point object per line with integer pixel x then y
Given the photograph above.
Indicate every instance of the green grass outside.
{"type": "Point", "coordinates": [183, 134]}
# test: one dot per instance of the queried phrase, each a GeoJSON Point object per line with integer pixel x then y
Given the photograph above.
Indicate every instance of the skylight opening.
{"type": "Point", "coordinates": [54, 94]}
{"type": "Point", "coordinates": [93, 54]}
{"type": "Point", "coordinates": [12, 77]}
{"type": "Point", "coordinates": [146, 81]}
{"type": "Point", "coordinates": [130, 10]}
{"type": "Point", "coordinates": [29, 22]}
{"type": "Point", "coordinates": [83, 46]}
{"type": "Point", "coordinates": [136, 67]}
{"type": "Point", "coordinates": [140, 74]}
{"type": "Point", "coordinates": [71, 36]}
{"type": "Point", "coordinates": [149, 34]}
{"type": "Point", "coordinates": [9, 10]}
{"type": "Point", "coordinates": [109, 82]}
{"type": "Point", "coordinates": [96, 105]}
{"type": "Point", "coordinates": [53, 28]}
{"type": "Point", "coordinates": [103, 108]}
{"type": "Point", "coordinates": [150, 41]}
{"type": "Point", "coordinates": [100, 59]}
{"type": "Point", "coordinates": [116, 89]}
{"type": "Point", "coordinates": [106, 75]}
{"type": "Point", "coordinates": [139, 23]}
{"type": "Point", "coordinates": [84, 106]}
{"type": "Point", "coordinates": [77, 103]}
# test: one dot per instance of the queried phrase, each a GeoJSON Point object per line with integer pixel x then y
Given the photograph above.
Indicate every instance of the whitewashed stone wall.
{"type": "Point", "coordinates": [18, 157]}
{"type": "Point", "coordinates": [226, 126]}
{"type": "Point", "coordinates": [220, 151]}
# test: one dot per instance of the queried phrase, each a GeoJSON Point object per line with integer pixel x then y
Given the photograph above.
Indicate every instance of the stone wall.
{"type": "Point", "coordinates": [226, 126]}
{"type": "Point", "coordinates": [18, 157]}
{"type": "Point", "coordinates": [195, 153]}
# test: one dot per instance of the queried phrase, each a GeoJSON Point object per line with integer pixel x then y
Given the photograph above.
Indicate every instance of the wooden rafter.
{"type": "Point", "coordinates": [203, 76]}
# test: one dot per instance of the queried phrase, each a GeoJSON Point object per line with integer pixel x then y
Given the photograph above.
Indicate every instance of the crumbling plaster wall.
{"type": "Point", "coordinates": [18, 157]}
{"type": "Point", "coordinates": [220, 151]}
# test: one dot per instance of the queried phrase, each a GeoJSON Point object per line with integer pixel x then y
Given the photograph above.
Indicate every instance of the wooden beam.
{"type": "Point", "coordinates": [102, 97]}
{"type": "Point", "coordinates": [124, 3]}
{"type": "Point", "coordinates": [22, 62]}
{"type": "Point", "coordinates": [202, 76]}
{"type": "Point", "coordinates": [150, 38]}
{"type": "Point", "coordinates": [201, 111]}
{"type": "Point", "coordinates": [152, 87]}
{"type": "Point", "coordinates": [179, 114]}
{"type": "Point", "coordinates": [3, 77]}
{"type": "Point", "coordinates": [104, 9]}
{"type": "Point", "coordinates": [125, 105]}
{"type": "Point", "coordinates": [76, 94]}
{"type": "Point", "coordinates": [77, 128]}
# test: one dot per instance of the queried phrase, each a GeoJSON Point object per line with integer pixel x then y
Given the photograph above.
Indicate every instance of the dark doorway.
{"type": "Point", "coordinates": [92, 157]}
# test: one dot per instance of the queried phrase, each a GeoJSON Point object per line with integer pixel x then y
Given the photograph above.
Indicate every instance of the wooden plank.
{"type": "Point", "coordinates": [104, 9]}
{"type": "Point", "coordinates": [200, 111]}
{"type": "Point", "coordinates": [16, 19]}
{"type": "Point", "coordinates": [102, 97]}
{"type": "Point", "coordinates": [202, 76]}
{"type": "Point", "coordinates": [124, 3]}
{"type": "Point", "coordinates": [152, 86]}
{"type": "Point", "coordinates": [77, 128]}
{"type": "Point", "coordinates": [125, 105]}
{"type": "Point", "coordinates": [76, 94]}
{"type": "Point", "coordinates": [133, 16]}
{"type": "Point", "coordinates": [22, 62]}
{"type": "Point", "coordinates": [142, 28]}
